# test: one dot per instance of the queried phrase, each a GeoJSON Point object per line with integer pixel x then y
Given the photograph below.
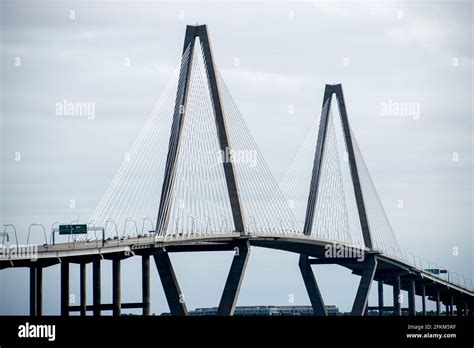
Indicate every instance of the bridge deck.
{"type": "Point", "coordinates": [88, 251]}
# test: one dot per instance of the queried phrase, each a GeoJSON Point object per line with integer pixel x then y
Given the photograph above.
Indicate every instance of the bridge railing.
{"type": "Point", "coordinates": [6, 234]}
{"type": "Point", "coordinates": [42, 228]}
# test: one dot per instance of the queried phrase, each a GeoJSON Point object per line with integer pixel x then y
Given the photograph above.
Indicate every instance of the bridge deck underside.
{"type": "Point", "coordinates": [387, 268]}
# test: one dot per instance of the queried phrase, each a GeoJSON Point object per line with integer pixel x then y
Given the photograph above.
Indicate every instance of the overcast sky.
{"type": "Point", "coordinates": [384, 53]}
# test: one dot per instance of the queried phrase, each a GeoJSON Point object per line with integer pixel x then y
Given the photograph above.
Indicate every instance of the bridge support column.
{"type": "Point", "coordinates": [116, 300]}
{"type": "Point", "coordinates": [64, 289]}
{"type": "Point", "coordinates": [146, 284]}
{"type": "Point", "coordinates": [82, 283]}
{"type": "Point", "coordinates": [362, 296]}
{"type": "Point", "coordinates": [451, 305]}
{"type": "Point", "coordinates": [96, 288]}
{"type": "Point", "coordinates": [170, 284]}
{"type": "Point", "coordinates": [466, 309]}
{"type": "Point", "coordinates": [380, 292]}
{"type": "Point", "coordinates": [39, 291]}
{"type": "Point", "coordinates": [234, 279]}
{"type": "Point", "coordinates": [438, 303]}
{"type": "Point", "coordinates": [446, 307]}
{"type": "Point", "coordinates": [397, 309]}
{"type": "Point", "coordinates": [36, 291]}
{"type": "Point", "coordinates": [411, 297]}
{"type": "Point", "coordinates": [32, 291]}
{"type": "Point", "coordinates": [459, 309]}
{"type": "Point", "coordinates": [312, 287]}
{"type": "Point", "coordinates": [423, 299]}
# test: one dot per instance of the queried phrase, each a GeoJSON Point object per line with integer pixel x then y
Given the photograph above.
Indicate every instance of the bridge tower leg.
{"type": "Point", "coordinates": [396, 296]}
{"type": "Point", "coordinates": [362, 296]}
{"type": "Point", "coordinates": [82, 292]}
{"type": "Point", "coordinates": [411, 297]}
{"type": "Point", "coordinates": [234, 279]}
{"type": "Point", "coordinates": [64, 288]}
{"type": "Point", "coordinates": [170, 283]}
{"type": "Point", "coordinates": [116, 296]}
{"type": "Point", "coordinates": [380, 293]}
{"type": "Point", "coordinates": [423, 299]}
{"type": "Point", "coordinates": [146, 284]}
{"type": "Point", "coordinates": [96, 288]}
{"type": "Point", "coordinates": [312, 287]}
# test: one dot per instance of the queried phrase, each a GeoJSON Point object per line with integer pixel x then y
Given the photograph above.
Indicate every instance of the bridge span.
{"type": "Point", "coordinates": [370, 265]}
{"type": "Point", "coordinates": [217, 194]}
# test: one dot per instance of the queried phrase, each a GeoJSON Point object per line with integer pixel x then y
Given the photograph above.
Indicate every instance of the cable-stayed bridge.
{"type": "Point", "coordinates": [195, 180]}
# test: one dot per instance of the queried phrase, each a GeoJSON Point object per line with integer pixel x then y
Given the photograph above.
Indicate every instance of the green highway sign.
{"type": "Point", "coordinates": [72, 229]}
{"type": "Point", "coordinates": [436, 270]}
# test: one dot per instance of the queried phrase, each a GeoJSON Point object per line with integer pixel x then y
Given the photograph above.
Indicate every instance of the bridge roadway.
{"type": "Point", "coordinates": [399, 274]}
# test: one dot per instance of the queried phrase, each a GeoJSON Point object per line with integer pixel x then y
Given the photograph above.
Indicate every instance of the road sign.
{"type": "Point", "coordinates": [436, 270]}
{"type": "Point", "coordinates": [73, 229]}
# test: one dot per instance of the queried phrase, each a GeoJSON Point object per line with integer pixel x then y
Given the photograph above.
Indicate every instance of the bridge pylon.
{"type": "Point", "coordinates": [180, 113]}
{"type": "Point", "coordinates": [329, 91]}
{"type": "Point", "coordinates": [370, 265]}
{"type": "Point", "coordinates": [241, 247]}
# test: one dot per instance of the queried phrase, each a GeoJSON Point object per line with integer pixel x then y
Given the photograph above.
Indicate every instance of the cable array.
{"type": "Point", "coordinates": [200, 202]}
{"type": "Point", "coordinates": [383, 236]}
{"type": "Point", "coordinates": [336, 215]}
{"type": "Point", "coordinates": [128, 206]}
{"type": "Point", "coordinates": [265, 208]}
{"type": "Point", "coordinates": [296, 182]}
{"type": "Point", "coordinates": [334, 203]}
